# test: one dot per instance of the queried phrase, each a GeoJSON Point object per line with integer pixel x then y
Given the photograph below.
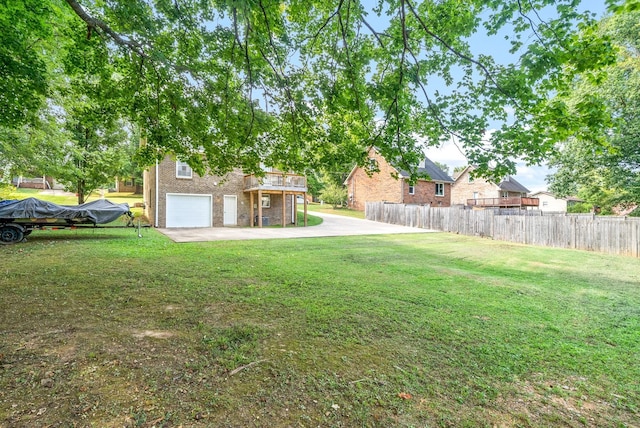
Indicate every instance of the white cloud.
{"type": "Point", "coordinates": [449, 153]}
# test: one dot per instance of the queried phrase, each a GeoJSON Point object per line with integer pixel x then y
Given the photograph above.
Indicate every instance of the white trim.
{"type": "Point", "coordinates": [180, 163]}
{"type": "Point", "coordinates": [436, 191]}
{"type": "Point", "coordinates": [267, 197]}
{"type": "Point", "coordinates": [157, 195]}
{"type": "Point", "coordinates": [224, 210]}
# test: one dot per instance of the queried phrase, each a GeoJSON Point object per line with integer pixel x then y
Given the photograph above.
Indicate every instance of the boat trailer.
{"type": "Point", "coordinates": [18, 218]}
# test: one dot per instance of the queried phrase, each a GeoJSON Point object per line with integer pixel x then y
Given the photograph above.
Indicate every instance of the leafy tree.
{"type": "Point", "coordinates": [315, 185]}
{"type": "Point", "coordinates": [96, 149]}
{"type": "Point", "coordinates": [302, 84]}
{"type": "Point", "coordinates": [22, 59]}
{"type": "Point", "coordinates": [604, 169]}
{"type": "Point", "coordinates": [443, 166]}
{"type": "Point", "coordinates": [458, 169]}
{"type": "Point", "coordinates": [334, 194]}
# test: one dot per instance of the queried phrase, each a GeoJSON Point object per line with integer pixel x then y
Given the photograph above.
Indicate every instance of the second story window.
{"type": "Point", "coordinates": [183, 170]}
{"type": "Point", "coordinates": [439, 189]}
{"type": "Point", "coordinates": [412, 190]}
{"type": "Point", "coordinates": [372, 166]}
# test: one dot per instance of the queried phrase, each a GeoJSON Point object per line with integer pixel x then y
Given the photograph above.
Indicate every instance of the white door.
{"type": "Point", "coordinates": [230, 210]}
{"type": "Point", "coordinates": [184, 210]}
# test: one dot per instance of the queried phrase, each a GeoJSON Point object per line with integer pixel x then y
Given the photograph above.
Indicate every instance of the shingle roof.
{"type": "Point", "coordinates": [432, 170]}
{"type": "Point", "coordinates": [509, 184]}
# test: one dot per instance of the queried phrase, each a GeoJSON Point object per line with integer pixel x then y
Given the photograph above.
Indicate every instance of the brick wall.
{"type": "Point", "coordinates": [382, 187]}
{"type": "Point", "coordinates": [231, 184]}
{"type": "Point", "coordinates": [464, 189]}
{"type": "Point", "coordinates": [425, 193]}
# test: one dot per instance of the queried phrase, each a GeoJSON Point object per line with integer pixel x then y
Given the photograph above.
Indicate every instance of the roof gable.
{"type": "Point", "coordinates": [509, 184]}
{"type": "Point", "coordinates": [432, 170]}
{"type": "Point", "coordinates": [427, 168]}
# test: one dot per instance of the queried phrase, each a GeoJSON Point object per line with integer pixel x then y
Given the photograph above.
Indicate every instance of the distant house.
{"type": "Point", "coordinates": [479, 192]}
{"type": "Point", "coordinates": [43, 182]}
{"type": "Point", "coordinates": [549, 202]}
{"type": "Point", "coordinates": [175, 196]}
{"type": "Point", "coordinates": [382, 186]}
{"type": "Point", "coordinates": [128, 185]}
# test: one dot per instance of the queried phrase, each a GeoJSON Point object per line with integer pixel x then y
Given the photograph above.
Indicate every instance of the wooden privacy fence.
{"type": "Point", "coordinates": [615, 235]}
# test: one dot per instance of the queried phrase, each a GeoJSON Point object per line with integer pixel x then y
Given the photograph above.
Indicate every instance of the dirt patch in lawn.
{"type": "Point", "coordinates": [153, 334]}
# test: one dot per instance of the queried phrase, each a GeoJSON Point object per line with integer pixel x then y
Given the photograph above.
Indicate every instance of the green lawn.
{"type": "Point", "coordinates": [327, 208]}
{"type": "Point", "coordinates": [102, 328]}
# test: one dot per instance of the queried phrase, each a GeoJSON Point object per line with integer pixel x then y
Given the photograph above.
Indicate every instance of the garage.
{"type": "Point", "coordinates": [185, 210]}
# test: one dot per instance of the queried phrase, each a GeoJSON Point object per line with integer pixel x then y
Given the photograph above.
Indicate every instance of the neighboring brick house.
{"type": "Point", "coordinates": [128, 185]}
{"type": "Point", "coordinates": [382, 186]}
{"type": "Point", "coordinates": [33, 182]}
{"type": "Point", "coordinates": [175, 196]}
{"type": "Point", "coordinates": [477, 191]}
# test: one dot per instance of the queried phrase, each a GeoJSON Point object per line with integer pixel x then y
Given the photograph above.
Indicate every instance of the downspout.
{"type": "Point", "coordinates": [155, 212]}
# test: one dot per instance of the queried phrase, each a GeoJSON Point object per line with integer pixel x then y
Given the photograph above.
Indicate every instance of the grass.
{"type": "Point", "coordinates": [103, 328]}
{"type": "Point", "coordinates": [328, 209]}
{"type": "Point", "coordinates": [312, 220]}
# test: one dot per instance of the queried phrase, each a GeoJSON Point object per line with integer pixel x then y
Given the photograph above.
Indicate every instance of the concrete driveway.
{"type": "Point", "coordinates": [332, 225]}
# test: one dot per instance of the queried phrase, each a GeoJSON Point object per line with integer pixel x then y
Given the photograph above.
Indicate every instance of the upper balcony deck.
{"type": "Point", "coordinates": [276, 182]}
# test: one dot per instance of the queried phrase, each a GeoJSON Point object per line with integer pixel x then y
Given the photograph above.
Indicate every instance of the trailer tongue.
{"type": "Point", "coordinates": [18, 218]}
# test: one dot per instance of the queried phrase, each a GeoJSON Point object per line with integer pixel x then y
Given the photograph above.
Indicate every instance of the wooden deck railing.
{"type": "Point", "coordinates": [276, 181]}
{"type": "Point", "coordinates": [511, 201]}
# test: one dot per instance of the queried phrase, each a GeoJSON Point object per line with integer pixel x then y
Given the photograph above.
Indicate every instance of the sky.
{"type": "Point", "coordinates": [532, 177]}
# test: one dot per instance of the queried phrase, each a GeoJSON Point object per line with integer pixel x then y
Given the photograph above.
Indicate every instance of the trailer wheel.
{"type": "Point", "coordinates": [10, 234]}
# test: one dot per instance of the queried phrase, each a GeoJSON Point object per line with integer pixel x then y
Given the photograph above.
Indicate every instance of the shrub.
{"type": "Point", "coordinates": [6, 191]}
{"type": "Point", "coordinates": [334, 194]}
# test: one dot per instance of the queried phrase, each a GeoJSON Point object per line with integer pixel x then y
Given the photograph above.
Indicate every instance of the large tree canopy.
{"type": "Point", "coordinates": [300, 83]}
{"type": "Point", "coordinates": [605, 168]}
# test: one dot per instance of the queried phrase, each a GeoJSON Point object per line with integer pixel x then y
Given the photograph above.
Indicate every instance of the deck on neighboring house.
{"type": "Point", "coordinates": [508, 202]}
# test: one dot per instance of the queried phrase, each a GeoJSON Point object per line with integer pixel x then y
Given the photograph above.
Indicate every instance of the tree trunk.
{"type": "Point", "coordinates": [80, 192]}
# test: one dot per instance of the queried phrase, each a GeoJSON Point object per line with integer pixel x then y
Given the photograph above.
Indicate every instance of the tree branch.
{"type": "Point", "coordinates": [94, 23]}
{"type": "Point", "coordinates": [459, 54]}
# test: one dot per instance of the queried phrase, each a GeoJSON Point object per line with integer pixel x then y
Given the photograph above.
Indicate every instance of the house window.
{"type": "Point", "coordinates": [412, 190]}
{"type": "Point", "coordinates": [183, 170]}
{"type": "Point", "coordinates": [373, 165]}
{"type": "Point", "coordinates": [439, 189]}
{"type": "Point", "coordinates": [545, 203]}
{"type": "Point", "coordinates": [505, 194]}
{"type": "Point", "coordinates": [266, 201]}
{"type": "Point", "coordinates": [470, 178]}
{"type": "Point", "coordinates": [475, 195]}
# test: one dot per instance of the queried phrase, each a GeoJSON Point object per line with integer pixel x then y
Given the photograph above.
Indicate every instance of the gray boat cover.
{"type": "Point", "coordinates": [100, 211]}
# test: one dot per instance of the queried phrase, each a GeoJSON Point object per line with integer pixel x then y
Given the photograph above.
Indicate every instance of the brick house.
{"type": "Point", "coordinates": [175, 196]}
{"type": "Point", "coordinates": [128, 185]}
{"type": "Point", "coordinates": [382, 186]}
{"type": "Point", "coordinates": [477, 191]}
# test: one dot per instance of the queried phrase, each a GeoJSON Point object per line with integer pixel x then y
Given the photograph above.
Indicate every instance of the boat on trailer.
{"type": "Point", "coordinates": [18, 218]}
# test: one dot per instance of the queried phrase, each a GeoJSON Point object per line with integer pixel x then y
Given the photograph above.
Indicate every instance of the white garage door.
{"type": "Point", "coordinates": [188, 210]}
